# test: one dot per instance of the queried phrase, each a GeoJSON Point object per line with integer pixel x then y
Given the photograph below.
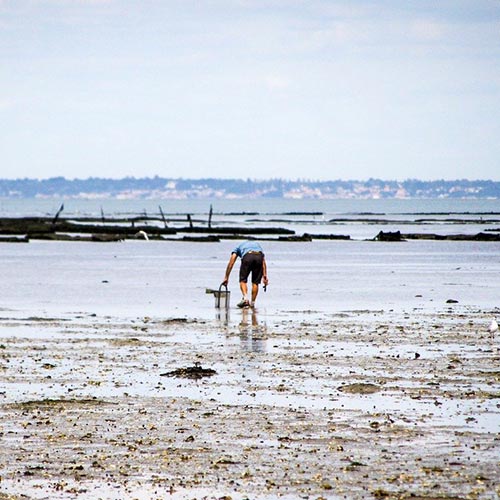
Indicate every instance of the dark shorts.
{"type": "Point", "coordinates": [251, 263]}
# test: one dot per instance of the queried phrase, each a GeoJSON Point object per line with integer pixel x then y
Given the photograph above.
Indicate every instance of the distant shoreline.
{"type": "Point", "coordinates": [167, 188]}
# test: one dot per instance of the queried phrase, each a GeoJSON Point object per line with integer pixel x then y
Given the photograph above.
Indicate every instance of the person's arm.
{"type": "Point", "coordinates": [264, 271]}
{"type": "Point", "coordinates": [229, 268]}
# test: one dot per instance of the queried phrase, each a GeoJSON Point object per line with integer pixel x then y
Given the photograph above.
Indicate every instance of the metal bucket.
{"type": "Point", "coordinates": [222, 297]}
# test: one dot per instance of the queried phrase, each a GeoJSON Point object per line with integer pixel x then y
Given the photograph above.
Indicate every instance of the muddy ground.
{"type": "Point", "coordinates": [359, 404]}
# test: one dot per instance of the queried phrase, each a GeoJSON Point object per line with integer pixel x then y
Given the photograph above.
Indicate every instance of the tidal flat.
{"type": "Point", "coordinates": [355, 404]}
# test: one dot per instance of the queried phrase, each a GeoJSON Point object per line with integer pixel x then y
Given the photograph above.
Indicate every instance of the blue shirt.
{"type": "Point", "coordinates": [245, 247]}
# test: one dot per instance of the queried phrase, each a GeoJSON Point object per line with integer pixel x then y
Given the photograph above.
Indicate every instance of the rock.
{"type": "Point", "coordinates": [388, 236]}
{"type": "Point", "coordinates": [359, 388]}
{"type": "Point", "coordinates": [493, 326]}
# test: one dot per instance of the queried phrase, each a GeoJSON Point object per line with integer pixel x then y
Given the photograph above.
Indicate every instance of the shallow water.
{"type": "Point", "coordinates": [274, 206]}
{"type": "Point", "coordinates": [168, 279]}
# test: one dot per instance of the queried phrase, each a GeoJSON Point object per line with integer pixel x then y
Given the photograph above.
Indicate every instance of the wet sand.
{"type": "Point", "coordinates": [357, 404]}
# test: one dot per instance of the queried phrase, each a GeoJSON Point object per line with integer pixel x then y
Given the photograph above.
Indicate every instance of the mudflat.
{"type": "Point", "coordinates": [356, 404]}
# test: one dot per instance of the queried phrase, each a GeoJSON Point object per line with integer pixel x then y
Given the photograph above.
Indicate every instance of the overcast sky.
{"type": "Point", "coordinates": [313, 89]}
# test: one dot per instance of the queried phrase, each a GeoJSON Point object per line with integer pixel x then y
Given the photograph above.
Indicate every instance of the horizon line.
{"type": "Point", "coordinates": [246, 179]}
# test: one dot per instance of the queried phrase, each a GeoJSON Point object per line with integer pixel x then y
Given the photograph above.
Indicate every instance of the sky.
{"type": "Point", "coordinates": [292, 89]}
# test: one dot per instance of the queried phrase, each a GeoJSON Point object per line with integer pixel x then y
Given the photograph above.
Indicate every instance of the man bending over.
{"type": "Point", "coordinates": [252, 261]}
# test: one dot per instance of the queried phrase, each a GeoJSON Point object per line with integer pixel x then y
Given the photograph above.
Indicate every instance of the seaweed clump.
{"type": "Point", "coordinates": [192, 372]}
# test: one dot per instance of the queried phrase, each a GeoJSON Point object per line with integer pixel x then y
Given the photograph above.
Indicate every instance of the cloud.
{"type": "Point", "coordinates": [339, 33]}
{"type": "Point", "coordinates": [70, 3]}
{"type": "Point", "coordinates": [277, 82]}
{"type": "Point", "coordinates": [6, 104]}
{"type": "Point", "coordinates": [428, 31]}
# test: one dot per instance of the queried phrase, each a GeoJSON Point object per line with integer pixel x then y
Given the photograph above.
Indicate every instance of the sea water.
{"type": "Point", "coordinates": [94, 207]}
{"type": "Point", "coordinates": [169, 278]}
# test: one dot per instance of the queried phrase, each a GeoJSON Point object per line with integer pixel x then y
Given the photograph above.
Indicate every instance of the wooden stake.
{"type": "Point", "coordinates": [162, 216]}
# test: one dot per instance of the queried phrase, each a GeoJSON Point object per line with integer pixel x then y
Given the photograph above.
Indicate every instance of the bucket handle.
{"type": "Point", "coordinates": [218, 295]}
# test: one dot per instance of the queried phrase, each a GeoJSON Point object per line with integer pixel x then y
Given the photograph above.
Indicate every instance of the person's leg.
{"type": "Point", "coordinates": [244, 289]}
{"type": "Point", "coordinates": [245, 269]}
{"type": "Point", "coordinates": [256, 276]}
{"type": "Point", "coordinates": [255, 291]}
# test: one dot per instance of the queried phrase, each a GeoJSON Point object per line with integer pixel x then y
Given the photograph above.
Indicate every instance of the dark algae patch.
{"type": "Point", "coordinates": [192, 372]}
{"type": "Point", "coordinates": [359, 388]}
{"type": "Point", "coordinates": [59, 403]}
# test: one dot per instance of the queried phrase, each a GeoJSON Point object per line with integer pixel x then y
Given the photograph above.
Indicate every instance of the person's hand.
{"type": "Point", "coordinates": [225, 281]}
{"type": "Point", "coordinates": [266, 281]}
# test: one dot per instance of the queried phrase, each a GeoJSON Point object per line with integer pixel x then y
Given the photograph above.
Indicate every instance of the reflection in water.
{"type": "Point", "coordinates": [253, 335]}
{"type": "Point", "coordinates": [223, 316]}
